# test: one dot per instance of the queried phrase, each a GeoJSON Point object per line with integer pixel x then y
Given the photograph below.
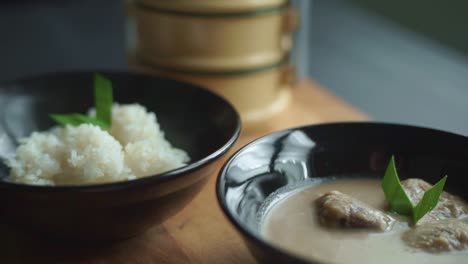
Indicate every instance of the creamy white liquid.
{"type": "Point", "coordinates": [291, 223]}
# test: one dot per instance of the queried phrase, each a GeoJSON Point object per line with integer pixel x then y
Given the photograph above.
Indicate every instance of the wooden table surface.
{"type": "Point", "coordinates": [198, 234]}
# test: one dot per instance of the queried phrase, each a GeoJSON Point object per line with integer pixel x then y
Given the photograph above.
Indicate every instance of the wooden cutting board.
{"type": "Point", "coordinates": [198, 234]}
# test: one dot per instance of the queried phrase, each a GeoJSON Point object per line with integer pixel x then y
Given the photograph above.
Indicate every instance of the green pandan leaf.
{"type": "Point", "coordinates": [76, 119]}
{"type": "Point", "coordinates": [103, 100]}
{"type": "Point", "coordinates": [65, 119]}
{"type": "Point", "coordinates": [394, 192]}
{"type": "Point", "coordinates": [398, 199]}
{"type": "Point", "coordinates": [429, 200]}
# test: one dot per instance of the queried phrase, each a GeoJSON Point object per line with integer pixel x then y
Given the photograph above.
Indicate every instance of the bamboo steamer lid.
{"type": "Point", "coordinates": [213, 6]}
{"type": "Point", "coordinates": [183, 35]}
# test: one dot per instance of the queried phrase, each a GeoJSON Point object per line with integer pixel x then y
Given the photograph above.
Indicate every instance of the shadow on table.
{"type": "Point", "coordinates": [155, 246]}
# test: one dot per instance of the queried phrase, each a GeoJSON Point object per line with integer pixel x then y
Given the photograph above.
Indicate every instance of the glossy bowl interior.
{"type": "Point", "coordinates": [193, 119]}
{"type": "Point", "coordinates": [289, 157]}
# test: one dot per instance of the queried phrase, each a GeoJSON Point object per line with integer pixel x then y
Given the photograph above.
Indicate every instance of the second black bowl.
{"type": "Point", "coordinates": [289, 157]}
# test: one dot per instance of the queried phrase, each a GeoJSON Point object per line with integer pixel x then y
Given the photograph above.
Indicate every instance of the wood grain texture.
{"type": "Point", "coordinates": [200, 233]}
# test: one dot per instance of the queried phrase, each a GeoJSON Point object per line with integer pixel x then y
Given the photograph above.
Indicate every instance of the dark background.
{"type": "Point", "coordinates": [400, 61]}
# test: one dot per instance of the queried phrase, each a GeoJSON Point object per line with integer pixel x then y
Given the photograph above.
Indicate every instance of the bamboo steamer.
{"type": "Point", "coordinates": [207, 35]}
{"type": "Point", "coordinates": [237, 49]}
{"type": "Point", "coordinates": [258, 94]}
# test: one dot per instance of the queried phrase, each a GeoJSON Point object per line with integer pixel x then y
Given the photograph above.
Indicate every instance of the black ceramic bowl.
{"type": "Point", "coordinates": [203, 124]}
{"type": "Point", "coordinates": [340, 149]}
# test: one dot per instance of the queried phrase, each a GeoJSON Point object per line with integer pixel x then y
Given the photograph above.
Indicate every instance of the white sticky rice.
{"type": "Point", "coordinates": [133, 147]}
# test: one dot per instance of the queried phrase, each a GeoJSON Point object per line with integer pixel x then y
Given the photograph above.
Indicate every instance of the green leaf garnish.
{"type": "Point", "coordinates": [77, 119]}
{"type": "Point", "coordinates": [103, 100]}
{"type": "Point", "coordinates": [65, 119]}
{"type": "Point", "coordinates": [429, 200]}
{"type": "Point", "coordinates": [394, 191]}
{"type": "Point", "coordinates": [400, 202]}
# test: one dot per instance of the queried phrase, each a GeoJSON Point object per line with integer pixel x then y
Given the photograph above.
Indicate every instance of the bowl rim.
{"type": "Point", "coordinates": [239, 226]}
{"type": "Point", "coordinates": [151, 179]}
